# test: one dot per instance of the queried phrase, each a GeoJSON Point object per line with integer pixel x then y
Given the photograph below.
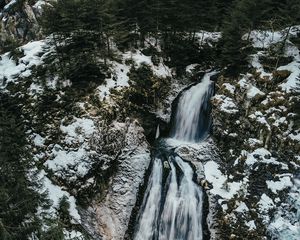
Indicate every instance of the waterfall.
{"type": "Point", "coordinates": [150, 206]}
{"type": "Point", "coordinates": [172, 205]}
{"type": "Point", "coordinates": [192, 119]}
{"type": "Point", "coordinates": [157, 132]}
{"type": "Point", "coordinates": [182, 214]}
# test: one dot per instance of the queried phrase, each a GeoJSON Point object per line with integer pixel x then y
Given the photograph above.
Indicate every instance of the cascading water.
{"type": "Point", "coordinates": [149, 217]}
{"type": "Point", "coordinates": [172, 205]}
{"type": "Point", "coordinates": [192, 118]}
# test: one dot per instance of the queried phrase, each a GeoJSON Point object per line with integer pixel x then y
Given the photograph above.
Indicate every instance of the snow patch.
{"type": "Point", "coordinates": [55, 193]}
{"type": "Point", "coordinates": [10, 70]}
{"type": "Point", "coordinates": [283, 183]}
{"type": "Point", "coordinates": [225, 104]}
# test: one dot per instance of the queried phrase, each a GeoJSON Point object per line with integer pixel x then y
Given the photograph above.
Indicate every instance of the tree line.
{"type": "Point", "coordinates": [87, 28]}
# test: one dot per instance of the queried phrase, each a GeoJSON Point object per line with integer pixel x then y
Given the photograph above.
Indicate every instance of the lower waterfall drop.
{"type": "Point", "coordinates": [173, 202]}
{"type": "Point", "coordinates": [181, 217]}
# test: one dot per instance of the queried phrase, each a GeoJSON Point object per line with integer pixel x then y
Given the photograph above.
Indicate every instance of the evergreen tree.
{"type": "Point", "coordinates": [232, 44]}
{"type": "Point", "coordinates": [245, 16]}
{"type": "Point", "coordinates": [18, 199]}
{"type": "Point", "coordinates": [81, 30]}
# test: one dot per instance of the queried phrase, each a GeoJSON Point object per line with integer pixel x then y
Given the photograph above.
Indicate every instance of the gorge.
{"type": "Point", "coordinates": [173, 202]}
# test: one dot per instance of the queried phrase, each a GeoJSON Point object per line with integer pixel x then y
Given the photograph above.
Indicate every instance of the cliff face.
{"type": "Point", "coordinates": [85, 147]}
{"type": "Point", "coordinates": [85, 142]}
{"type": "Point", "coordinates": [19, 22]}
{"type": "Point", "coordinates": [255, 130]}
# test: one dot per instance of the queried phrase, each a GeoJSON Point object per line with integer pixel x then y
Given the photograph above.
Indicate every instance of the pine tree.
{"type": "Point", "coordinates": [18, 199]}
{"type": "Point", "coordinates": [296, 103]}
{"type": "Point", "coordinates": [81, 33]}
{"type": "Point", "coordinates": [245, 16]}
{"type": "Point", "coordinates": [289, 16]}
{"type": "Point", "coordinates": [231, 43]}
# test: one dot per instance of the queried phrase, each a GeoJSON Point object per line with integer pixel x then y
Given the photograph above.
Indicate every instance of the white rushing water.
{"type": "Point", "coordinates": [182, 214]}
{"type": "Point", "coordinates": [172, 205]}
{"type": "Point", "coordinates": [179, 217]}
{"type": "Point", "coordinates": [149, 217]}
{"type": "Point", "coordinates": [192, 119]}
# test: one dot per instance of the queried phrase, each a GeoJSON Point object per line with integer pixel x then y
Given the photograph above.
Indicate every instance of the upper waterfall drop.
{"type": "Point", "coordinates": [192, 118]}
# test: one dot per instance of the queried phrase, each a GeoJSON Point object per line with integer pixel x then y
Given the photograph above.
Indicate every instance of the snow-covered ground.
{"type": "Point", "coordinates": [10, 70]}
{"type": "Point", "coordinates": [120, 71]}
{"type": "Point", "coordinates": [253, 117]}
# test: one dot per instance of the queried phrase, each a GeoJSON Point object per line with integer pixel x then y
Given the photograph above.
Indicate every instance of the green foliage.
{"type": "Point", "coordinates": [81, 30]}
{"type": "Point", "coordinates": [181, 52]}
{"type": "Point", "coordinates": [244, 17]}
{"type": "Point", "coordinates": [54, 232]}
{"type": "Point", "coordinates": [296, 104]}
{"type": "Point", "coordinates": [9, 44]}
{"type": "Point", "coordinates": [18, 199]}
{"type": "Point", "coordinates": [147, 88]}
{"type": "Point", "coordinates": [63, 210]}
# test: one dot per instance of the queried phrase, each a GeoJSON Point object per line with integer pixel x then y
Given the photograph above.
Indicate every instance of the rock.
{"type": "Point", "coordinates": [280, 75]}
{"type": "Point", "coordinates": [112, 213]}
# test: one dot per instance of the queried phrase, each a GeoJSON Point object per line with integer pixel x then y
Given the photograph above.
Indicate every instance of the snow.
{"type": "Point", "coordinates": [226, 104]}
{"type": "Point", "coordinates": [31, 50]}
{"type": "Point", "coordinates": [285, 229]}
{"type": "Point", "coordinates": [262, 155]}
{"type": "Point", "coordinates": [280, 121]}
{"type": "Point", "coordinates": [10, 4]}
{"type": "Point", "coordinates": [253, 141]}
{"type": "Point", "coordinates": [286, 225]}
{"type": "Point", "coordinates": [256, 64]}
{"type": "Point", "coordinates": [253, 92]}
{"type": "Point", "coordinates": [35, 89]}
{"type": "Point", "coordinates": [10, 70]}
{"type": "Point", "coordinates": [295, 137]}
{"type": "Point", "coordinates": [283, 183]}
{"type": "Point", "coordinates": [242, 208]}
{"type": "Point", "coordinates": [74, 161]}
{"type": "Point", "coordinates": [243, 82]}
{"type": "Point", "coordinates": [73, 235]}
{"type": "Point", "coordinates": [251, 225]}
{"type": "Point", "coordinates": [218, 180]}
{"type": "Point", "coordinates": [38, 140]}
{"type": "Point", "coordinates": [265, 203]}
{"type": "Point", "coordinates": [190, 68]}
{"type": "Point", "coordinates": [55, 193]}
{"type": "Point", "coordinates": [208, 37]}
{"type": "Point", "coordinates": [138, 57]}
{"type": "Point", "coordinates": [229, 87]}
{"type": "Point", "coordinates": [118, 79]}
{"type": "Point", "coordinates": [294, 68]}
{"type": "Point", "coordinates": [259, 117]}
{"type": "Point", "coordinates": [78, 130]}
{"type": "Point", "coordinates": [264, 39]}
{"type": "Point", "coordinates": [39, 4]}
{"type": "Point", "coordinates": [263, 121]}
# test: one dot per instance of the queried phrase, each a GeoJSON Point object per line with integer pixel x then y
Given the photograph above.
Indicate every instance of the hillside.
{"type": "Point", "coordinates": [149, 119]}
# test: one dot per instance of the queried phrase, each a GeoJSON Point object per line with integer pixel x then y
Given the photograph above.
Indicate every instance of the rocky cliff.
{"type": "Point", "coordinates": [19, 22]}
{"type": "Point", "coordinates": [258, 137]}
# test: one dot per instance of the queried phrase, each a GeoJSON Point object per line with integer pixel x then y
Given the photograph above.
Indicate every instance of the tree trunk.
{"type": "Point", "coordinates": [60, 58]}
{"type": "Point", "coordinates": [285, 38]}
